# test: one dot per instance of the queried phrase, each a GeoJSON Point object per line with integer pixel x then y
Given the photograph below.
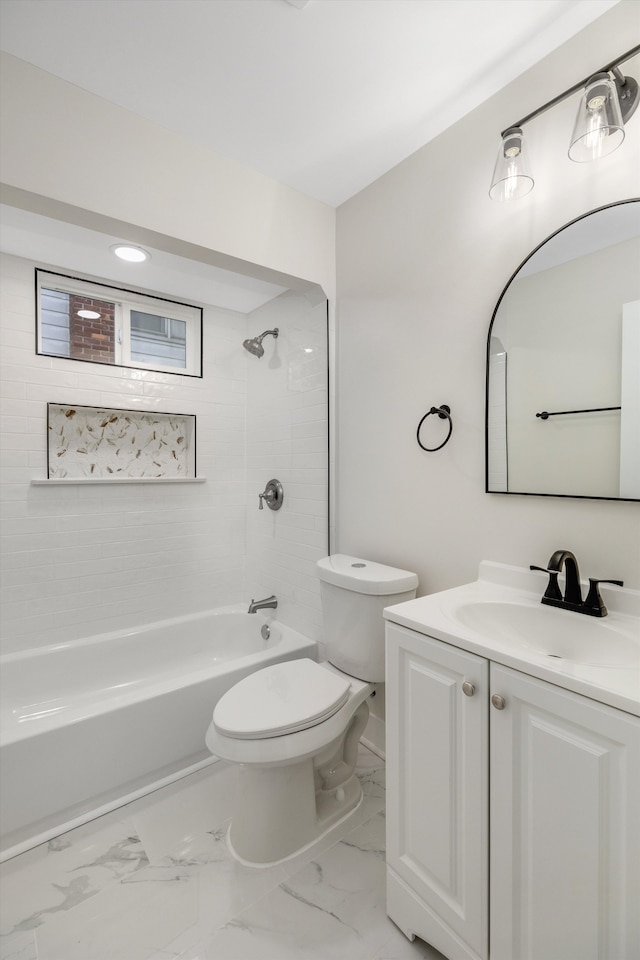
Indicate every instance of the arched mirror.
{"type": "Point", "coordinates": [563, 364]}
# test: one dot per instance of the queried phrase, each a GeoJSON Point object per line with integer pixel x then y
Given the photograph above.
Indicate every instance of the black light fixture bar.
{"type": "Point", "coordinates": [574, 89]}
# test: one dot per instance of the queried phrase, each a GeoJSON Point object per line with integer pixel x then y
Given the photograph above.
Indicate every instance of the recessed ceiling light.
{"type": "Point", "coordinates": [130, 253]}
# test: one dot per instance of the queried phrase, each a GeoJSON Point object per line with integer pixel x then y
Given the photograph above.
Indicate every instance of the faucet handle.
{"type": "Point", "coordinates": [553, 589]}
{"type": "Point", "coordinates": [273, 495]}
{"type": "Point", "coordinates": [594, 602]}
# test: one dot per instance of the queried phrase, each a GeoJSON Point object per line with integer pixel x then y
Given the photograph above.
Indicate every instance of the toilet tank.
{"type": "Point", "coordinates": [354, 593]}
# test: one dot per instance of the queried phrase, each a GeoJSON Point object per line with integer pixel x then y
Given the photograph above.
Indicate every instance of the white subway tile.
{"type": "Point", "coordinates": [163, 550]}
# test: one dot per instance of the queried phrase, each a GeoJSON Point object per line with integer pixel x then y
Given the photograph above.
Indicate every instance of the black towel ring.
{"type": "Point", "coordinates": [444, 412]}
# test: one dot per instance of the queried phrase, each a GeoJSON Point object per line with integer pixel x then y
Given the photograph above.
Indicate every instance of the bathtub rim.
{"type": "Point", "coordinates": [16, 730]}
{"type": "Point", "coordinates": [135, 630]}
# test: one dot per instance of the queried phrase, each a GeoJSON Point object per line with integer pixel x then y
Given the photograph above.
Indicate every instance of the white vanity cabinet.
{"type": "Point", "coordinates": [513, 810]}
{"type": "Point", "coordinates": [437, 793]}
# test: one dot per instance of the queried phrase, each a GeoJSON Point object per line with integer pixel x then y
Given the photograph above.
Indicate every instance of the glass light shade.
{"type": "Point", "coordinates": [511, 178]}
{"type": "Point", "coordinates": [599, 128]}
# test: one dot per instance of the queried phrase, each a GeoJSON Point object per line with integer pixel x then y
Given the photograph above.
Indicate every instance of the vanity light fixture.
{"type": "Point", "coordinates": [130, 253]}
{"type": "Point", "coordinates": [609, 100]}
{"type": "Point", "coordinates": [511, 178]}
{"type": "Point", "coordinates": [599, 127]}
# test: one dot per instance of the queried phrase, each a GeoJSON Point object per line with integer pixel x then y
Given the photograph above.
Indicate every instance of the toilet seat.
{"type": "Point", "coordinates": [279, 700]}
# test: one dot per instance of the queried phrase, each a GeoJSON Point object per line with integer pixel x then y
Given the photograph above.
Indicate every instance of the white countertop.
{"type": "Point", "coordinates": [435, 616]}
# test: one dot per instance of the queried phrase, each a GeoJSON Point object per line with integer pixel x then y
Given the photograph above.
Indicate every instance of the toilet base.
{"type": "Point", "coordinates": [281, 810]}
{"type": "Point", "coordinates": [333, 818]}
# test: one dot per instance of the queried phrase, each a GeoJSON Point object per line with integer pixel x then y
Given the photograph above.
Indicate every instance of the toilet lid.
{"type": "Point", "coordinates": [280, 699]}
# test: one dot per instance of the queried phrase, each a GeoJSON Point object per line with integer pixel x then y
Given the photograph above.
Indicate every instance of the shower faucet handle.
{"type": "Point", "coordinates": [267, 495]}
{"type": "Point", "coordinates": [272, 495]}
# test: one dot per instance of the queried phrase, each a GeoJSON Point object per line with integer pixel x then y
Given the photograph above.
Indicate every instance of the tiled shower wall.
{"type": "Point", "coordinates": [287, 440]}
{"type": "Point", "coordinates": [83, 560]}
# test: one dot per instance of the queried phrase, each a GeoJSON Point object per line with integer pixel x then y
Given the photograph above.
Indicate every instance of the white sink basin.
{"type": "Point", "coordinates": [549, 632]}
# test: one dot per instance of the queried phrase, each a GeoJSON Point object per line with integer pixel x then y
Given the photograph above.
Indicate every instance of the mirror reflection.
{"type": "Point", "coordinates": [563, 364]}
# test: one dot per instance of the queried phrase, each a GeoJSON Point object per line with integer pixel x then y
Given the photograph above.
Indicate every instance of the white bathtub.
{"type": "Point", "coordinates": [89, 725]}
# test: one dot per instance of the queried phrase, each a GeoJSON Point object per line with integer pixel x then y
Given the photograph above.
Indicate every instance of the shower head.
{"type": "Point", "coordinates": [255, 346]}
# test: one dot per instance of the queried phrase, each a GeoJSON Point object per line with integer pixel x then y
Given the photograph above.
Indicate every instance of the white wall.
{"type": "Point", "coordinates": [423, 255]}
{"type": "Point", "coordinates": [81, 560]}
{"type": "Point", "coordinates": [102, 159]}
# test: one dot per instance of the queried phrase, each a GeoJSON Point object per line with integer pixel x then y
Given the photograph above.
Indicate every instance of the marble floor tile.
{"type": "Point", "coordinates": [18, 946]}
{"type": "Point", "coordinates": [127, 921]}
{"type": "Point", "coordinates": [59, 875]}
{"type": "Point", "coordinates": [172, 819]}
{"type": "Point", "coordinates": [155, 881]}
{"type": "Point", "coordinates": [334, 907]}
{"type": "Point", "coordinates": [225, 886]}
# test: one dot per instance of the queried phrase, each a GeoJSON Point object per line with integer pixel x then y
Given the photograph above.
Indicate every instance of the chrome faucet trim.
{"type": "Point", "coordinates": [593, 606]}
{"type": "Point", "coordinates": [270, 603]}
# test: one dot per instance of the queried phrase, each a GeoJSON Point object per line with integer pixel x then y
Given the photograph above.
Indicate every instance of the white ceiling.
{"type": "Point", "coordinates": [324, 96]}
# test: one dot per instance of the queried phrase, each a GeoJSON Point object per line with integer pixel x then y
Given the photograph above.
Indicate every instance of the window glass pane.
{"type": "Point", "coordinates": [95, 321]}
{"type": "Point", "coordinates": [54, 322]}
{"type": "Point", "coordinates": [156, 339]}
{"type": "Point", "coordinates": [78, 327]}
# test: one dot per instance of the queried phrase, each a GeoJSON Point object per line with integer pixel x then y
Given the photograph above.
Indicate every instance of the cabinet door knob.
{"type": "Point", "coordinates": [498, 701]}
{"type": "Point", "coordinates": [468, 689]}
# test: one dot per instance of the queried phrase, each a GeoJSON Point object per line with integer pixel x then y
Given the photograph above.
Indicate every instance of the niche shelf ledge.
{"type": "Point", "coordinates": [90, 481]}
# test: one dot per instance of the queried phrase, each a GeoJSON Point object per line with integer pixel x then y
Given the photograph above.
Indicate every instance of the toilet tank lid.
{"type": "Point", "coordinates": [365, 576]}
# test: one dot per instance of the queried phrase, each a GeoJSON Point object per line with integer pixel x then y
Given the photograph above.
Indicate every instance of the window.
{"type": "Point", "coordinates": [99, 323]}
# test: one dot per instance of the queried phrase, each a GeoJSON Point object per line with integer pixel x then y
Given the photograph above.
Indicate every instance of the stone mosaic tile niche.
{"type": "Point", "coordinates": [103, 443]}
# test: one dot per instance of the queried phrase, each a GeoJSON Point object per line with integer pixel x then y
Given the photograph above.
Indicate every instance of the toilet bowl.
{"type": "Point", "coordinates": [293, 728]}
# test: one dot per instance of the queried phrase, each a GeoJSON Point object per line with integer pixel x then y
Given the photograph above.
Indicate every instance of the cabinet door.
{"type": "Point", "coordinates": [565, 815]}
{"type": "Point", "coordinates": [437, 793]}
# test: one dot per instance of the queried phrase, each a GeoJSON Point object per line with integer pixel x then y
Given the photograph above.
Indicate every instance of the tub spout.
{"type": "Point", "coordinates": [269, 604]}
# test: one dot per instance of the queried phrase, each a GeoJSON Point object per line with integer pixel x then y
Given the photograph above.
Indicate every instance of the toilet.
{"type": "Point", "coordinates": [294, 727]}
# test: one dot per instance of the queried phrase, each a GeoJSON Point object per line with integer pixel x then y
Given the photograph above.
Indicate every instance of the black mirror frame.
{"type": "Point", "coordinates": [522, 493]}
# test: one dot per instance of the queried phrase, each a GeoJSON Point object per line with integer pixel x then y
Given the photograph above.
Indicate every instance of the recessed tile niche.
{"type": "Point", "coordinates": [101, 443]}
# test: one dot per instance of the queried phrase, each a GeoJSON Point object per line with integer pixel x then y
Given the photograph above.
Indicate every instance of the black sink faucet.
{"type": "Point", "coordinates": [572, 591]}
{"type": "Point", "coordinates": [593, 606]}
